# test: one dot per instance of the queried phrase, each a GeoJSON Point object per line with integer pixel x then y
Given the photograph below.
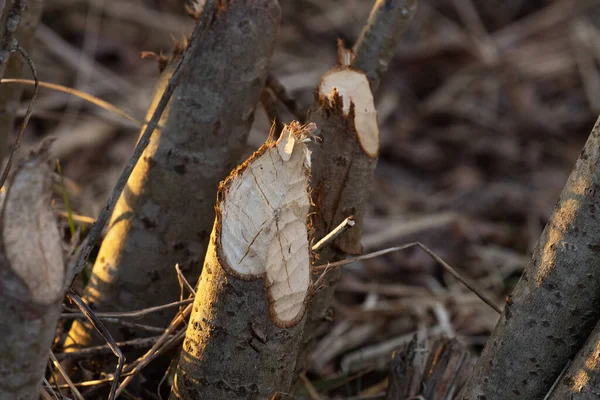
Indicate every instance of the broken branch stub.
{"type": "Point", "coordinates": [32, 280]}
{"type": "Point", "coordinates": [255, 284]}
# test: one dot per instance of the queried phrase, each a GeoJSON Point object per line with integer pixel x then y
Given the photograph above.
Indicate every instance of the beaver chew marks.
{"type": "Point", "coordinates": [263, 233]}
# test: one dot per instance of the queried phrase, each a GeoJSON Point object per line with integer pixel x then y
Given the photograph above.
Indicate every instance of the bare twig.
{"type": "Point", "coordinates": [430, 253]}
{"type": "Point", "coordinates": [65, 376]}
{"type": "Point", "coordinates": [182, 279]}
{"type": "Point", "coordinates": [89, 352]}
{"type": "Point", "coordinates": [166, 337]}
{"type": "Point", "coordinates": [105, 335]}
{"type": "Point", "coordinates": [337, 231]}
{"type": "Point", "coordinates": [129, 314]}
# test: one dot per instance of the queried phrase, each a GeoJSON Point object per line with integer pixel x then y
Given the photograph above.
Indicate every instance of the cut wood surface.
{"type": "Point", "coordinates": [32, 281]}
{"type": "Point", "coordinates": [166, 212]}
{"type": "Point", "coordinates": [244, 330]}
{"type": "Point", "coordinates": [554, 307]}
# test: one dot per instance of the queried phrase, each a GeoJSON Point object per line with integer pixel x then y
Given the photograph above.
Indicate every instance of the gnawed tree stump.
{"type": "Point", "coordinates": [344, 160]}
{"type": "Point", "coordinates": [244, 331]}
{"type": "Point", "coordinates": [32, 281]}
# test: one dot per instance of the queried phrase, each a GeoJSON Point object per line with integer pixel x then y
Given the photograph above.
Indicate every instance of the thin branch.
{"type": "Point", "coordinates": [105, 335]}
{"type": "Point", "coordinates": [185, 282]}
{"type": "Point", "coordinates": [64, 374]}
{"type": "Point", "coordinates": [337, 231]}
{"type": "Point", "coordinates": [89, 352]}
{"type": "Point", "coordinates": [134, 368]}
{"type": "Point", "coordinates": [129, 314]}
{"type": "Point", "coordinates": [430, 253]}
{"type": "Point", "coordinates": [17, 145]}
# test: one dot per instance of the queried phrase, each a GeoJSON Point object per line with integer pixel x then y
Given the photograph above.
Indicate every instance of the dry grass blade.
{"type": "Point", "coordinates": [82, 95]}
{"type": "Point", "coordinates": [106, 336]}
{"type": "Point", "coordinates": [65, 376]}
{"type": "Point", "coordinates": [429, 252]}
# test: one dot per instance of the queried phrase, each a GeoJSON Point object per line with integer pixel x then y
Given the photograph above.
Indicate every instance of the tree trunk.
{"type": "Point", "coordinates": [32, 281]}
{"type": "Point", "coordinates": [165, 214]}
{"type": "Point", "coordinates": [244, 331]}
{"type": "Point", "coordinates": [581, 380]}
{"type": "Point", "coordinates": [554, 306]}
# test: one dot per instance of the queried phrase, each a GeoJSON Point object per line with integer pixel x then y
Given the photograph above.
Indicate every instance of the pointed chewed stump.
{"type": "Point", "coordinates": [245, 328]}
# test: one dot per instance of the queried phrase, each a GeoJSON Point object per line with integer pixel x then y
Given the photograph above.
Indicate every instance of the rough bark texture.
{"type": "Point", "coordinates": [233, 348]}
{"type": "Point", "coordinates": [342, 173]}
{"type": "Point", "coordinates": [581, 381]}
{"type": "Point", "coordinates": [165, 213]}
{"type": "Point", "coordinates": [32, 281]}
{"type": "Point", "coordinates": [378, 40]}
{"type": "Point", "coordinates": [554, 306]}
{"type": "Point", "coordinates": [10, 95]}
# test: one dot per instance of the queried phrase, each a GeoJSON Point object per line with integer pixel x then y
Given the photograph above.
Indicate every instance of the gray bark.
{"type": "Point", "coordinates": [379, 38]}
{"type": "Point", "coordinates": [554, 307]}
{"type": "Point", "coordinates": [341, 177]}
{"type": "Point", "coordinates": [581, 380]}
{"type": "Point", "coordinates": [10, 95]}
{"type": "Point", "coordinates": [232, 349]}
{"type": "Point", "coordinates": [165, 214]}
{"type": "Point", "coordinates": [32, 281]}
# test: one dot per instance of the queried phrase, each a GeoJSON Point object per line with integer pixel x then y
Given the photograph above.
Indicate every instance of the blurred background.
{"type": "Point", "coordinates": [483, 112]}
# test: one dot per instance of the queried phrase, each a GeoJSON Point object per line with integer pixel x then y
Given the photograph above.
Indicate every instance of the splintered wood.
{"type": "Point", "coordinates": [264, 207]}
